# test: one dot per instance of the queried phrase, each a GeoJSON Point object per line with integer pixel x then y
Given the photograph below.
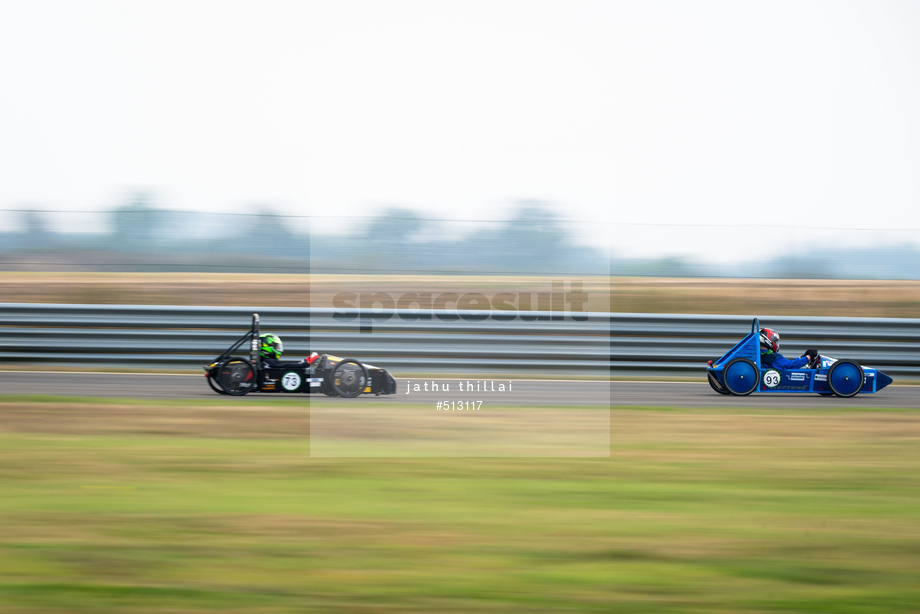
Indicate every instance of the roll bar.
{"type": "Point", "coordinates": [254, 355]}
{"type": "Point", "coordinates": [252, 335]}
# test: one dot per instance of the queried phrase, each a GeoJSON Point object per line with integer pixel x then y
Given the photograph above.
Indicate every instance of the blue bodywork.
{"type": "Point", "coordinates": [740, 372]}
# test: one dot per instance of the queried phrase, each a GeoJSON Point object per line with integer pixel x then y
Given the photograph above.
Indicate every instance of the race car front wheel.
{"type": "Point", "coordinates": [236, 376]}
{"type": "Point", "coordinates": [845, 378]}
{"type": "Point", "coordinates": [740, 376]}
{"type": "Point", "coordinates": [349, 378]}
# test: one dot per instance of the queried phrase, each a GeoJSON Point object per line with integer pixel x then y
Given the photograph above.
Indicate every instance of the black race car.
{"type": "Point", "coordinates": [344, 377]}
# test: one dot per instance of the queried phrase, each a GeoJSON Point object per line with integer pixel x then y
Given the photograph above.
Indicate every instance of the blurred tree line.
{"type": "Point", "coordinates": [139, 236]}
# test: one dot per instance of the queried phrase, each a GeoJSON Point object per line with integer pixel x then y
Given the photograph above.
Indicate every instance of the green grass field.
{"type": "Point", "coordinates": [123, 506]}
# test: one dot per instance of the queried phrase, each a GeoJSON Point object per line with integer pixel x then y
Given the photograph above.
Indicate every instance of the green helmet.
{"type": "Point", "coordinates": [270, 346]}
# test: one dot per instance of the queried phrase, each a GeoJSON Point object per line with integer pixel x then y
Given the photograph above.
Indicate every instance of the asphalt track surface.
{"type": "Point", "coordinates": [517, 392]}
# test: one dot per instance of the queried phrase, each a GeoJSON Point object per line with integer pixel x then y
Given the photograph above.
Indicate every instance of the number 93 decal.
{"type": "Point", "coordinates": [771, 378]}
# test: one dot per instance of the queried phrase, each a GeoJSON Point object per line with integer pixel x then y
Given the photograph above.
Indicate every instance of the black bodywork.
{"type": "Point", "coordinates": [237, 375]}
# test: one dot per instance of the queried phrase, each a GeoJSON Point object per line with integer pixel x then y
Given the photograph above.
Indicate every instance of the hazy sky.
{"type": "Point", "coordinates": [724, 119]}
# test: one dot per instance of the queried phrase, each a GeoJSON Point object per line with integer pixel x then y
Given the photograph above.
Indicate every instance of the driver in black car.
{"type": "Point", "coordinates": [271, 348]}
{"type": "Point", "coordinates": [770, 356]}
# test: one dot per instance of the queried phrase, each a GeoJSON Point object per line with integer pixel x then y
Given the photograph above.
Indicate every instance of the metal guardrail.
{"type": "Point", "coordinates": [423, 340]}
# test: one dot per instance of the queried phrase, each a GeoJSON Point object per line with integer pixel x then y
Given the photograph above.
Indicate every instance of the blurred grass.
{"type": "Point", "coordinates": [199, 509]}
{"type": "Point", "coordinates": [844, 298]}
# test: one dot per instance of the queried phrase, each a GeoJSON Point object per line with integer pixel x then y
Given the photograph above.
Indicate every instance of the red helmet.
{"type": "Point", "coordinates": [770, 339]}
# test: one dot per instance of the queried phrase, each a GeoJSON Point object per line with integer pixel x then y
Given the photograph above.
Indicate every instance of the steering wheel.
{"type": "Point", "coordinates": [815, 362]}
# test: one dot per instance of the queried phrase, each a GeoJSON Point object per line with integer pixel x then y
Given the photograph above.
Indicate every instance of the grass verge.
{"type": "Point", "coordinates": [188, 507]}
{"type": "Point", "coordinates": [795, 297]}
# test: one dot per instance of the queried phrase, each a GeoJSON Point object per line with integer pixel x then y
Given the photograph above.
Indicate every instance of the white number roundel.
{"type": "Point", "coordinates": [290, 381]}
{"type": "Point", "coordinates": [771, 378]}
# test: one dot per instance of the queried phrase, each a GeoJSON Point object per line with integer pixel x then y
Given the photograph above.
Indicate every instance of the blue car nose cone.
{"type": "Point", "coordinates": [881, 380]}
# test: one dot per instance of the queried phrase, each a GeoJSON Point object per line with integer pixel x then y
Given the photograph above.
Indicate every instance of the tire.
{"type": "Point", "coordinates": [846, 378]}
{"type": "Point", "coordinates": [740, 377]}
{"type": "Point", "coordinates": [236, 376]}
{"type": "Point", "coordinates": [712, 378]}
{"type": "Point", "coordinates": [320, 367]}
{"type": "Point", "coordinates": [214, 386]}
{"type": "Point", "coordinates": [349, 378]}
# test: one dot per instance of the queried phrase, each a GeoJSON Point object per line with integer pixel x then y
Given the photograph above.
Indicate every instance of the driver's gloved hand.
{"type": "Point", "coordinates": [811, 353]}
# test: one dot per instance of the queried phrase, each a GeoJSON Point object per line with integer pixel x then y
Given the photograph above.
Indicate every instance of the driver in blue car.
{"type": "Point", "coordinates": [770, 356]}
{"type": "Point", "coordinates": [271, 348]}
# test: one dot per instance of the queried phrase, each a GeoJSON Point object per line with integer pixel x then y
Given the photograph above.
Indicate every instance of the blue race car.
{"type": "Point", "coordinates": [740, 372]}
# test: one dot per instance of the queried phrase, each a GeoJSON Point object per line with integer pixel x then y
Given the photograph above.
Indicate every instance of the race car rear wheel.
{"type": "Point", "coordinates": [349, 378]}
{"type": "Point", "coordinates": [845, 378]}
{"type": "Point", "coordinates": [740, 376]}
{"type": "Point", "coordinates": [714, 383]}
{"type": "Point", "coordinates": [236, 376]}
{"type": "Point", "coordinates": [214, 386]}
